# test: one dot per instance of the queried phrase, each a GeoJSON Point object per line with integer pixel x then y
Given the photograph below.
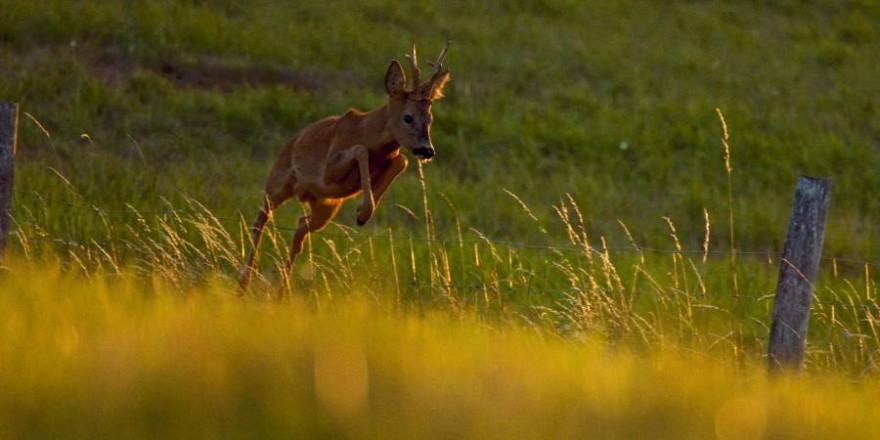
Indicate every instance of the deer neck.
{"type": "Point", "coordinates": [374, 129]}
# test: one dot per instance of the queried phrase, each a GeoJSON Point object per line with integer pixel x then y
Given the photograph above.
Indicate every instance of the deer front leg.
{"type": "Point", "coordinates": [389, 174]}
{"type": "Point", "coordinates": [340, 165]}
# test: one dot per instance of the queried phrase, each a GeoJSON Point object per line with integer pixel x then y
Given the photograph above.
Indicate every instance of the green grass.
{"type": "Point", "coordinates": [522, 272]}
{"type": "Point", "coordinates": [539, 113]}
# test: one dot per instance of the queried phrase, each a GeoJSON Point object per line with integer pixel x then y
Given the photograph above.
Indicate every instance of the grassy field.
{"type": "Point", "coordinates": [563, 265]}
{"type": "Point", "coordinates": [614, 106]}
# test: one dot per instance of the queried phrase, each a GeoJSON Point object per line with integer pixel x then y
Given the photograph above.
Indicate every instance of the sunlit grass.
{"type": "Point", "coordinates": [114, 357]}
{"type": "Point", "coordinates": [579, 288]}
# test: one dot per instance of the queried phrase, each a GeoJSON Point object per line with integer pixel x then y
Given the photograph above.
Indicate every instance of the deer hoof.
{"type": "Point", "coordinates": [244, 278]}
{"type": "Point", "coordinates": [363, 215]}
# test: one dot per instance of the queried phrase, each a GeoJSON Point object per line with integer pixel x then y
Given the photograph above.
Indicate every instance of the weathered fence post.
{"type": "Point", "coordinates": [797, 273]}
{"type": "Point", "coordinates": [8, 139]}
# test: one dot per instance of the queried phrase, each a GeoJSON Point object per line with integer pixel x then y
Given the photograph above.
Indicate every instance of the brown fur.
{"type": "Point", "coordinates": [339, 157]}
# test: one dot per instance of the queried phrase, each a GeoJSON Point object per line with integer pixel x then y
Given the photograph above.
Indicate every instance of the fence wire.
{"type": "Point", "coordinates": [350, 233]}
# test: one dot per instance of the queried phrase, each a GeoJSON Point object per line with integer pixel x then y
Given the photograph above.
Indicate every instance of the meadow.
{"type": "Point", "coordinates": [563, 268]}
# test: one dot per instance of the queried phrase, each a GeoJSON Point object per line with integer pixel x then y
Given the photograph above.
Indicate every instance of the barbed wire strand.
{"type": "Point", "coordinates": [529, 246]}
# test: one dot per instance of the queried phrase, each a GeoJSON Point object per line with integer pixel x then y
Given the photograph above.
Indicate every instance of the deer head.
{"type": "Point", "coordinates": [409, 119]}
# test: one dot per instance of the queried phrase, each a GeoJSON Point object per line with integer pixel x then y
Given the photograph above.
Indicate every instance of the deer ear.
{"type": "Point", "coordinates": [437, 86]}
{"type": "Point", "coordinates": [395, 79]}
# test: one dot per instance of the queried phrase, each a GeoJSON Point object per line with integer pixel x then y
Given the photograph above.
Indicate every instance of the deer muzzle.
{"type": "Point", "coordinates": [424, 152]}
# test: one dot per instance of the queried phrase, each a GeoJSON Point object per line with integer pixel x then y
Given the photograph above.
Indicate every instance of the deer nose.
{"type": "Point", "coordinates": [424, 152]}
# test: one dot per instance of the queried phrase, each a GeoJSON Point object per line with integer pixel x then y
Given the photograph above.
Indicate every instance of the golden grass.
{"type": "Point", "coordinates": [114, 357]}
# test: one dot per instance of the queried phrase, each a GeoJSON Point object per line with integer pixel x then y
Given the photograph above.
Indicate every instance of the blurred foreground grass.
{"type": "Point", "coordinates": [115, 357]}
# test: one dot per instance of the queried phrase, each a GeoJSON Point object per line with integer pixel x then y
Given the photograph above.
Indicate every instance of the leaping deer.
{"type": "Point", "coordinates": [339, 157]}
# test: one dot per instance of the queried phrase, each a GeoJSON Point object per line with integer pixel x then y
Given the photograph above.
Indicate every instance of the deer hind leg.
{"type": "Point", "coordinates": [321, 212]}
{"type": "Point", "coordinates": [275, 197]}
{"type": "Point", "coordinates": [339, 166]}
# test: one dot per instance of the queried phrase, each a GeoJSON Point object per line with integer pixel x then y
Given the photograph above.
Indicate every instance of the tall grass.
{"type": "Point", "coordinates": [580, 289]}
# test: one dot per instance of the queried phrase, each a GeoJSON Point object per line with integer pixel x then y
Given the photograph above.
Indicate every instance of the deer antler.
{"type": "Point", "coordinates": [438, 66]}
{"type": "Point", "coordinates": [414, 65]}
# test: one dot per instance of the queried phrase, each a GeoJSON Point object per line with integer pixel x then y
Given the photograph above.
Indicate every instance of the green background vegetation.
{"type": "Point", "coordinates": [544, 95]}
{"type": "Point", "coordinates": [569, 131]}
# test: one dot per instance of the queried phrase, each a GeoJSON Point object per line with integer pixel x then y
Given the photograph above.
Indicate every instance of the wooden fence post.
{"type": "Point", "coordinates": [8, 139]}
{"type": "Point", "coordinates": [797, 273]}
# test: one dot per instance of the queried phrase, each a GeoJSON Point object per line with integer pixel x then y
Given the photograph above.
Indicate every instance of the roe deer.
{"type": "Point", "coordinates": [339, 157]}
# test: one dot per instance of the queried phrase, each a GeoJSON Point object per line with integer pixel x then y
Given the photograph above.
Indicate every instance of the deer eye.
{"type": "Point", "coordinates": [407, 119]}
